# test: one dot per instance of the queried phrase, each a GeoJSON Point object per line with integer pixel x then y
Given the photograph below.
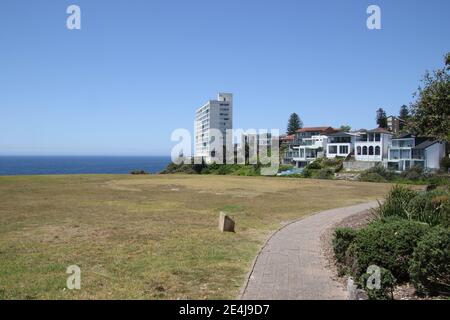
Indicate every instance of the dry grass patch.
{"type": "Point", "coordinates": [148, 237]}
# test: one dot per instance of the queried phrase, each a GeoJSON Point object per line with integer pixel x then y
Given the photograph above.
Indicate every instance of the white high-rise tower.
{"type": "Point", "coordinates": [215, 114]}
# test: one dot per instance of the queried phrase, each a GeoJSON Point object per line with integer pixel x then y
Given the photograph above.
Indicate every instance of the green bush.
{"type": "Point", "coordinates": [315, 165]}
{"type": "Point", "coordinates": [336, 164]}
{"type": "Point", "coordinates": [430, 264]}
{"type": "Point", "coordinates": [379, 169]}
{"type": "Point", "coordinates": [430, 207]}
{"type": "Point", "coordinates": [387, 243]}
{"type": "Point", "coordinates": [387, 284]}
{"type": "Point", "coordinates": [371, 177]}
{"type": "Point", "coordinates": [325, 174]}
{"type": "Point", "coordinates": [137, 172]}
{"type": "Point", "coordinates": [343, 237]}
{"type": "Point", "coordinates": [397, 201]}
{"type": "Point", "coordinates": [445, 163]}
{"type": "Point", "coordinates": [205, 171]}
{"type": "Point", "coordinates": [412, 173]}
{"type": "Point", "coordinates": [285, 167]}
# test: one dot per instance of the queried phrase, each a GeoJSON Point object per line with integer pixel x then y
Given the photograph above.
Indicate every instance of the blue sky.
{"type": "Point", "coordinates": [137, 70]}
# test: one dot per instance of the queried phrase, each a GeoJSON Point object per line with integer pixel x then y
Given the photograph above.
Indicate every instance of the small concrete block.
{"type": "Point", "coordinates": [226, 224]}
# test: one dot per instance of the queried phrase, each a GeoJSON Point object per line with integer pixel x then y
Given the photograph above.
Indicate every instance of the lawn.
{"type": "Point", "coordinates": [148, 237]}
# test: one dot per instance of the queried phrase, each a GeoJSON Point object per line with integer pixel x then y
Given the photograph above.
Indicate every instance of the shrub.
{"type": "Point", "coordinates": [285, 167]}
{"type": "Point", "coordinates": [342, 239]}
{"type": "Point", "coordinates": [379, 169]}
{"type": "Point", "coordinates": [315, 165]}
{"type": "Point", "coordinates": [397, 201]}
{"type": "Point", "coordinates": [336, 163]}
{"type": "Point", "coordinates": [445, 163]}
{"type": "Point", "coordinates": [371, 177]}
{"type": "Point", "coordinates": [307, 173]}
{"type": "Point", "coordinates": [135, 172]}
{"type": "Point", "coordinates": [430, 264]}
{"type": "Point", "coordinates": [205, 171]}
{"type": "Point", "coordinates": [387, 284]}
{"type": "Point", "coordinates": [387, 243]}
{"type": "Point", "coordinates": [324, 174]}
{"type": "Point", "coordinates": [413, 173]}
{"type": "Point", "coordinates": [430, 207]}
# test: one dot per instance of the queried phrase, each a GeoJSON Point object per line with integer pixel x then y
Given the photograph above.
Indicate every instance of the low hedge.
{"type": "Point", "coordinates": [371, 177]}
{"type": "Point", "coordinates": [387, 243]}
{"type": "Point", "coordinates": [343, 238]}
{"type": "Point", "coordinates": [430, 263]}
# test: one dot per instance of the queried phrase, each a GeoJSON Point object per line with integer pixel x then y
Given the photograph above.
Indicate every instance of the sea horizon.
{"type": "Point", "coordinates": [11, 165]}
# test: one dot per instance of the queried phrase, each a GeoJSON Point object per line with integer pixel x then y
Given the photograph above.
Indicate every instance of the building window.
{"type": "Point", "coordinates": [364, 151]}
{"type": "Point", "coordinates": [377, 150]}
{"type": "Point", "coordinates": [370, 151]}
{"type": "Point", "coordinates": [358, 151]}
{"type": "Point", "coordinates": [343, 149]}
{"type": "Point", "coordinates": [377, 137]}
{"type": "Point", "coordinates": [332, 149]}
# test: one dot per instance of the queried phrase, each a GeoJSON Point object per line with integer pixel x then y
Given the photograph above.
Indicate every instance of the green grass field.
{"type": "Point", "coordinates": [148, 237]}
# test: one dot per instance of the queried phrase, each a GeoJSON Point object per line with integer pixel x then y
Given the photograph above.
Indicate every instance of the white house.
{"type": "Point", "coordinates": [372, 145]}
{"type": "Point", "coordinates": [309, 144]}
{"type": "Point", "coordinates": [340, 144]}
{"type": "Point", "coordinates": [408, 151]}
{"type": "Point", "coordinates": [310, 149]}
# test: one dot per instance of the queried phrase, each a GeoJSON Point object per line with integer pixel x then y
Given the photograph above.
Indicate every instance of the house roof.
{"type": "Point", "coordinates": [405, 135]}
{"type": "Point", "coordinates": [315, 129]}
{"type": "Point", "coordinates": [380, 130]}
{"type": "Point", "coordinates": [342, 134]}
{"type": "Point", "coordinates": [289, 137]}
{"type": "Point", "coordinates": [426, 144]}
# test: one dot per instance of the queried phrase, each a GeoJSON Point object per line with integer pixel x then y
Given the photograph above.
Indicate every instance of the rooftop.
{"type": "Point", "coordinates": [426, 144]}
{"type": "Point", "coordinates": [319, 129]}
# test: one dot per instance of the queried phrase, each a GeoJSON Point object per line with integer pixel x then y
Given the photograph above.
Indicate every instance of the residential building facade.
{"type": "Point", "coordinates": [394, 124]}
{"type": "Point", "coordinates": [372, 145]}
{"type": "Point", "coordinates": [308, 145]}
{"type": "Point", "coordinates": [409, 151]}
{"type": "Point", "coordinates": [340, 144]}
{"type": "Point", "coordinates": [214, 115]}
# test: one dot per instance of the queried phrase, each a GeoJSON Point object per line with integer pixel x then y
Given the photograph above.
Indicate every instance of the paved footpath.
{"type": "Point", "coordinates": [291, 266]}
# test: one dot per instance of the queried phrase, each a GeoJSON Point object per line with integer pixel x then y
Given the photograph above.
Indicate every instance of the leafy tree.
{"type": "Point", "coordinates": [404, 112]}
{"type": "Point", "coordinates": [294, 123]}
{"type": "Point", "coordinates": [430, 113]}
{"type": "Point", "coordinates": [403, 115]}
{"type": "Point", "coordinates": [447, 61]}
{"type": "Point", "coordinates": [381, 118]}
{"type": "Point", "coordinates": [345, 128]}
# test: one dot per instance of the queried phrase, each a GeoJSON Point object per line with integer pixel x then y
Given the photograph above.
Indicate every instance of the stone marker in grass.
{"type": "Point", "coordinates": [226, 224]}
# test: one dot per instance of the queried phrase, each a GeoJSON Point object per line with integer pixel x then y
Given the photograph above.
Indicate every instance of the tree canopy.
{"type": "Point", "coordinates": [294, 124]}
{"type": "Point", "coordinates": [430, 112]}
{"type": "Point", "coordinates": [381, 118]}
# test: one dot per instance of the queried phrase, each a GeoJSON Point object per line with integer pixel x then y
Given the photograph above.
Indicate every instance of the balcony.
{"type": "Point", "coordinates": [399, 144]}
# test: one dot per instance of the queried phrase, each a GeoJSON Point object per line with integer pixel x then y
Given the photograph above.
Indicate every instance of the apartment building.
{"type": "Point", "coordinates": [308, 144]}
{"type": "Point", "coordinates": [395, 124]}
{"type": "Point", "coordinates": [213, 115]}
{"type": "Point", "coordinates": [372, 145]}
{"type": "Point", "coordinates": [341, 144]}
{"type": "Point", "coordinates": [407, 151]}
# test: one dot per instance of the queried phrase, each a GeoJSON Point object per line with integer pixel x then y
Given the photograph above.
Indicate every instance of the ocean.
{"type": "Point", "coordinates": [38, 165]}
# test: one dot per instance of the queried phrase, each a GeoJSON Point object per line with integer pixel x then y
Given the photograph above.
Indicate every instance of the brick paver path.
{"type": "Point", "coordinates": [292, 266]}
